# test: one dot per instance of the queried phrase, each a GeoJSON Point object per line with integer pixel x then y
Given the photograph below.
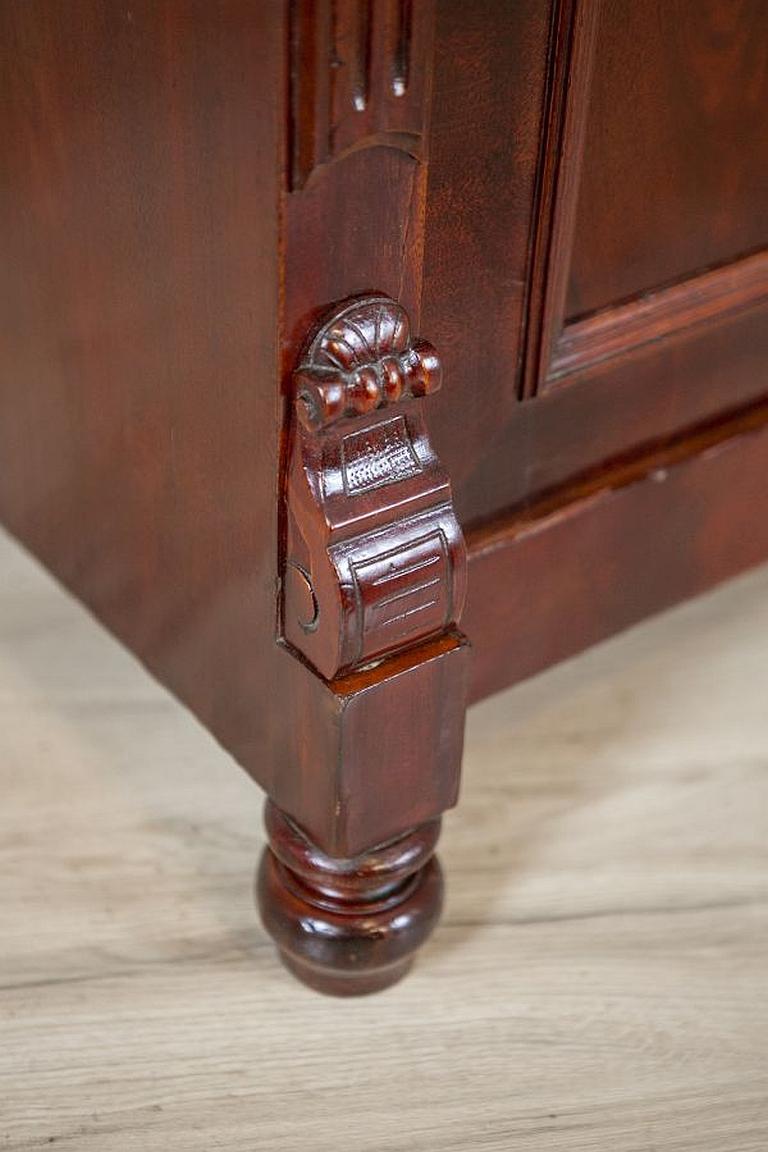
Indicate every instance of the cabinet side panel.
{"type": "Point", "coordinates": [138, 293]}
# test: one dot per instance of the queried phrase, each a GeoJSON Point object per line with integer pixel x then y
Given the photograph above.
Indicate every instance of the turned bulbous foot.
{"type": "Point", "coordinates": [348, 927]}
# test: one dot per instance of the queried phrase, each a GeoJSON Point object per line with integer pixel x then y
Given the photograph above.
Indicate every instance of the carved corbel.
{"type": "Point", "coordinates": [375, 558]}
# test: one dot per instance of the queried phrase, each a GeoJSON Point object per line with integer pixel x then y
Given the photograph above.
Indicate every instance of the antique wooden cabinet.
{"type": "Point", "coordinates": [244, 243]}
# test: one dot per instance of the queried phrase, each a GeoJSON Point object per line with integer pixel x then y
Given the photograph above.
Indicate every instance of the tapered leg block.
{"type": "Point", "coordinates": [348, 927]}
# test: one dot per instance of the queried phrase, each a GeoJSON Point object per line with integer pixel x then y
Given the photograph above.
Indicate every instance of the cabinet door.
{"type": "Point", "coordinates": [596, 272]}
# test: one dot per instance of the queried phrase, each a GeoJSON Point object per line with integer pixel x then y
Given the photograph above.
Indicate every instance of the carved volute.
{"type": "Point", "coordinates": [375, 559]}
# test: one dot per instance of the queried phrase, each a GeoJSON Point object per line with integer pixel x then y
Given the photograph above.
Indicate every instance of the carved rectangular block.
{"type": "Point", "coordinates": [402, 592]}
{"type": "Point", "coordinates": [376, 752]}
{"type": "Point", "coordinates": [377, 456]}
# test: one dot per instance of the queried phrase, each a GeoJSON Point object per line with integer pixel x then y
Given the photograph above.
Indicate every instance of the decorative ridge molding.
{"type": "Point", "coordinates": [358, 78]}
{"type": "Point", "coordinates": [572, 51]}
{"type": "Point", "coordinates": [620, 329]}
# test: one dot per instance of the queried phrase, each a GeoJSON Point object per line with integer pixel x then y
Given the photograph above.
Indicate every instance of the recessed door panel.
{"type": "Point", "coordinates": [674, 175]}
{"type": "Point", "coordinates": [604, 286]}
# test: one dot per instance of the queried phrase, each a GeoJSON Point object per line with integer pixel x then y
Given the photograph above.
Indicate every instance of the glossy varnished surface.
{"type": "Point", "coordinates": [372, 539]}
{"type": "Point", "coordinates": [686, 188]}
{"type": "Point", "coordinates": [373, 572]}
{"type": "Point", "coordinates": [140, 382]}
{"type": "Point", "coordinates": [167, 251]}
{"type": "Point", "coordinates": [595, 559]}
{"type": "Point", "coordinates": [348, 927]}
{"type": "Point", "coordinates": [138, 347]}
{"type": "Point", "coordinates": [598, 981]}
{"type": "Point", "coordinates": [140, 391]}
{"type": "Point", "coordinates": [532, 159]}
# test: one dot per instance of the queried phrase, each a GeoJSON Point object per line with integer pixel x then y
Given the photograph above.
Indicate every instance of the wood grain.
{"type": "Point", "coordinates": [675, 167]}
{"type": "Point", "coordinates": [598, 981]}
{"type": "Point", "coordinates": [665, 193]}
{"type": "Point", "coordinates": [592, 558]}
{"type": "Point", "coordinates": [562, 154]}
{"type": "Point", "coordinates": [146, 232]}
{"type": "Point", "coordinates": [159, 278]}
{"type": "Point", "coordinates": [711, 297]}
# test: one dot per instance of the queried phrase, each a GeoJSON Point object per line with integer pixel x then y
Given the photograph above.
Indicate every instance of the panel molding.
{"type": "Point", "coordinates": [574, 36]}
{"type": "Point", "coordinates": [577, 565]}
{"type": "Point", "coordinates": [709, 297]}
{"type": "Point", "coordinates": [558, 352]}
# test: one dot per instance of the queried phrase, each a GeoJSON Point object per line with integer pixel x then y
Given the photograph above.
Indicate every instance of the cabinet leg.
{"type": "Point", "coordinates": [373, 586]}
{"type": "Point", "coordinates": [347, 927]}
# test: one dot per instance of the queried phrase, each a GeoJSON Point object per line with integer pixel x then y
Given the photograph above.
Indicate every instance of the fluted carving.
{"type": "Point", "coordinates": [359, 74]}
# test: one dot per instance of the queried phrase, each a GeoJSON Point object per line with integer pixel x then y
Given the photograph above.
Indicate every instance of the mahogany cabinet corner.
{"type": "Point", "coordinates": [359, 358]}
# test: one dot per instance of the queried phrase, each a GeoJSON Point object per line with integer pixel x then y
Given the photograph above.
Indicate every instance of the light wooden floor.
{"type": "Point", "coordinates": [600, 980]}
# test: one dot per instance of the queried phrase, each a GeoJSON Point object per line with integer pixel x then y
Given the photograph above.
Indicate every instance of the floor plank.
{"type": "Point", "coordinates": [599, 981]}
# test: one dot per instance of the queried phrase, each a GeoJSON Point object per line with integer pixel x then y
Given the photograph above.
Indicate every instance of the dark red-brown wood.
{"type": "Point", "coordinates": [635, 144]}
{"type": "Point", "coordinates": [351, 926]}
{"type": "Point", "coordinates": [692, 174]}
{"type": "Point", "coordinates": [375, 559]}
{"type": "Point", "coordinates": [565, 197]}
{"type": "Point", "coordinates": [616, 546]}
{"type": "Point", "coordinates": [374, 579]}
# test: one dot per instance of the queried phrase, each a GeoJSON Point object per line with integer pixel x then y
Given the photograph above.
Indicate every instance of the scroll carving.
{"type": "Point", "coordinates": [359, 77]}
{"type": "Point", "coordinates": [375, 559]}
